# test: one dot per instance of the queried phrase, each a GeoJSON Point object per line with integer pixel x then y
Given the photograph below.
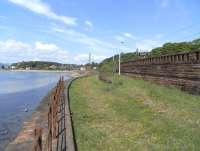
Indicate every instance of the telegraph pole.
{"type": "Point", "coordinates": [113, 64]}
{"type": "Point", "coordinates": [90, 58]}
{"type": "Point", "coordinates": [119, 65]}
{"type": "Point", "coordinates": [120, 59]}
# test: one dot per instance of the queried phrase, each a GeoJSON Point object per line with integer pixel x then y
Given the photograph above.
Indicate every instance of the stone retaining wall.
{"type": "Point", "coordinates": [181, 70]}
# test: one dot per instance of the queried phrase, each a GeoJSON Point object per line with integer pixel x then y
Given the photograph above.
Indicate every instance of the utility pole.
{"type": "Point", "coordinates": [113, 64]}
{"type": "Point", "coordinates": [119, 64]}
{"type": "Point", "coordinates": [120, 58]}
{"type": "Point", "coordinates": [90, 58]}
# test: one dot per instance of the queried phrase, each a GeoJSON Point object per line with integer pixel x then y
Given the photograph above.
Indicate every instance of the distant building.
{"type": "Point", "coordinates": [88, 67]}
{"type": "Point", "coordinates": [28, 68]}
{"type": "Point", "coordinates": [82, 68]}
{"type": "Point", "coordinates": [2, 67]}
{"type": "Point", "coordinates": [143, 54]}
{"type": "Point", "coordinates": [53, 67]}
{"type": "Point", "coordinates": [6, 66]}
{"type": "Point", "coordinates": [13, 67]}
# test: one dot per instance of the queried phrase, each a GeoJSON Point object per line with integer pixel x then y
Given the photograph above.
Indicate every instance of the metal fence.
{"type": "Point", "coordinates": [56, 122]}
{"type": "Point", "coordinates": [38, 139]}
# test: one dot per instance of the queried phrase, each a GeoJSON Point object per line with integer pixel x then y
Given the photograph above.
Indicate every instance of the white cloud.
{"type": "Point", "coordinates": [98, 58]}
{"type": "Point", "coordinates": [42, 8]}
{"type": "Point", "coordinates": [58, 30]}
{"type": "Point", "coordinates": [124, 37]}
{"type": "Point", "coordinates": [119, 38]}
{"type": "Point", "coordinates": [46, 47]}
{"type": "Point", "coordinates": [3, 17]}
{"type": "Point", "coordinates": [128, 35]}
{"type": "Point", "coordinates": [159, 36]}
{"type": "Point", "coordinates": [83, 39]}
{"type": "Point", "coordinates": [3, 28]}
{"type": "Point", "coordinates": [13, 45]}
{"type": "Point", "coordinates": [89, 24]}
{"type": "Point", "coordinates": [14, 51]}
{"type": "Point", "coordinates": [106, 48]}
{"type": "Point", "coordinates": [81, 58]}
{"type": "Point", "coordinates": [164, 3]}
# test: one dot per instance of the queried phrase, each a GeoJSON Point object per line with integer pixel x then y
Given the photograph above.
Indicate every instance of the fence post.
{"type": "Point", "coordinates": [50, 128]}
{"type": "Point", "coordinates": [37, 139]}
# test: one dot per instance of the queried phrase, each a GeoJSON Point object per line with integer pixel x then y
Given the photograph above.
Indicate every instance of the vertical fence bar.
{"type": "Point", "coordinates": [37, 139]}
{"type": "Point", "coordinates": [50, 128]}
{"type": "Point", "coordinates": [58, 100]}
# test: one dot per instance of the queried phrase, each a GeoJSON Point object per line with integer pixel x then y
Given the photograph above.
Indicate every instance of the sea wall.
{"type": "Point", "coordinates": [181, 70]}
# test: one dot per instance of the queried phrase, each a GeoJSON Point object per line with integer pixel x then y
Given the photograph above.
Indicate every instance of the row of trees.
{"type": "Point", "coordinates": [44, 65]}
{"type": "Point", "coordinates": [171, 48]}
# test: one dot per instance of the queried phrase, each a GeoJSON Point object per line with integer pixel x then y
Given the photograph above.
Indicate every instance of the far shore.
{"type": "Point", "coordinates": [42, 70]}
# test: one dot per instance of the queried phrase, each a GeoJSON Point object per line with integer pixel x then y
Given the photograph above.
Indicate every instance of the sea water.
{"type": "Point", "coordinates": [20, 93]}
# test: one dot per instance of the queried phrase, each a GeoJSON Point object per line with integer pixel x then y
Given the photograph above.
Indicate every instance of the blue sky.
{"type": "Point", "coordinates": [67, 30]}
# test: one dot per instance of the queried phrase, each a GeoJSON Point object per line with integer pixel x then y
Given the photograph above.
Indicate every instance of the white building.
{"type": "Point", "coordinates": [28, 68]}
{"type": "Point", "coordinates": [82, 68]}
{"type": "Point", "coordinates": [13, 67]}
{"type": "Point", "coordinates": [53, 67]}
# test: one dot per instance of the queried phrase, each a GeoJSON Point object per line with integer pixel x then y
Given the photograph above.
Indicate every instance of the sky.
{"type": "Point", "coordinates": [67, 31]}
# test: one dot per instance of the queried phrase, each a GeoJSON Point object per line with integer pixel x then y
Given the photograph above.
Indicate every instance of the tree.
{"type": "Point", "coordinates": [2, 67]}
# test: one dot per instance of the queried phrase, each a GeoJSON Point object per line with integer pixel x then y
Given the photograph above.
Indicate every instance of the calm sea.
{"type": "Point", "coordinates": [20, 91]}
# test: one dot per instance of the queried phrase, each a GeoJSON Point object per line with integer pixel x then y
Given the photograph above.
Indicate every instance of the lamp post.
{"type": "Point", "coordinates": [120, 59]}
{"type": "Point", "coordinates": [113, 64]}
{"type": "Point", "coordinates": [119, 65]}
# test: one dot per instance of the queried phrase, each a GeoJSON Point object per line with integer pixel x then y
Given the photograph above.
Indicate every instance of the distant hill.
{"type": "Point", "coordinates": [44, 65]}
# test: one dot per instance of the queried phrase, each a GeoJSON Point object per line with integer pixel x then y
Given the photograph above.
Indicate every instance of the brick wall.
{"type": "Point", "coordinates": [181, 70]}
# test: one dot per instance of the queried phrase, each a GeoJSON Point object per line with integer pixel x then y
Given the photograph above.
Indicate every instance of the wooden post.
{"type": "Point", "coordinates": [37, 139]}
{"type": "Point", "coordinates": [50, 128]}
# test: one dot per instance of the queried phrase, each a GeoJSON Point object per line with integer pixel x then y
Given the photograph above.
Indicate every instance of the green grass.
{"type": "Point", "coordinates": [133, 115]}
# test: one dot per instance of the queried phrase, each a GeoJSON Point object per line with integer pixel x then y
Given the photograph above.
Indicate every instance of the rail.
{"type": "Point", "coordinates": [56, 122]}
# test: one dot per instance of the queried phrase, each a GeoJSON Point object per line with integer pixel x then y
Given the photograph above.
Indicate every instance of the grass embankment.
{"type": "Point", "coordinates": [133, 115]}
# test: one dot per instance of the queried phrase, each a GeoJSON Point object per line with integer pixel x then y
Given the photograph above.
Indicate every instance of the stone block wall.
{"type": "Point", "coordinates": [181, 70]}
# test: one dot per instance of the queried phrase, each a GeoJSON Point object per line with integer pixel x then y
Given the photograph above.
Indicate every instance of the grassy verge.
{"type": "Point", "coordinates": [133, 115]}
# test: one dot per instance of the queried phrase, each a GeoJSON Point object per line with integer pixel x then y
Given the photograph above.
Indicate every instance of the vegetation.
{"type": "Point", "coordinates": [110, 65]}
{"type": "Point", "coordinates": [171, 48]}
{"type": "Point", "coordinates": [107, 65]}
{"type": "Point", "coordinates": [44, 65]}
{"type": "Point", "coordinates": [3, 66]}
{"type": "Point", "coordinates": [133, 115]}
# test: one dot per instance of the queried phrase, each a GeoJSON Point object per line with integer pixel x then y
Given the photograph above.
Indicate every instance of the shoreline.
{"type": "Point", "coordinates": [71, 73]}
{"type": "Point", "coordinates": [24, 137]}
{"type": "Point", "coordinates": [38, 118]}
{"type": "Point", "coordinates": [64, 71]}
